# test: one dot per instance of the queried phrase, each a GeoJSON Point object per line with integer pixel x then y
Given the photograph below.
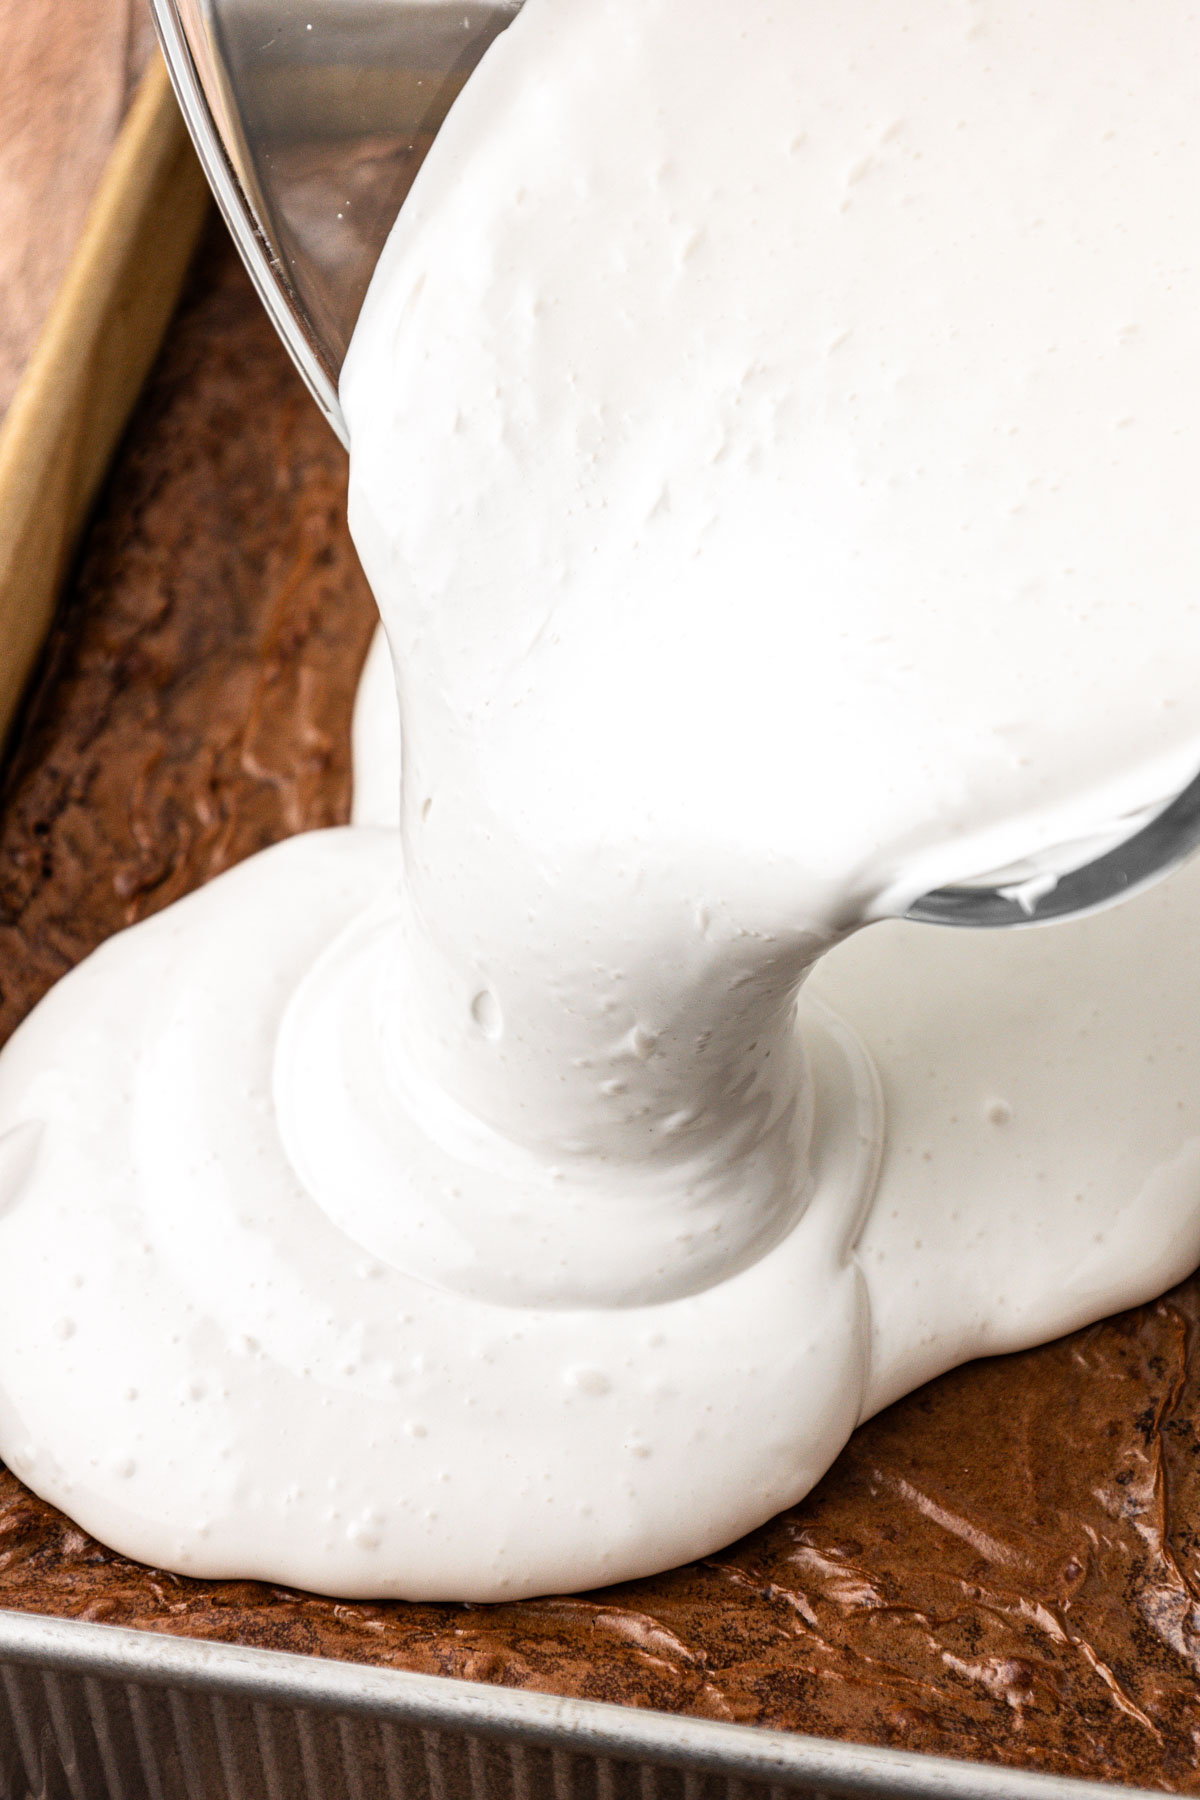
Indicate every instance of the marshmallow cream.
{"type": "Point", "coordinates": [773, 436]}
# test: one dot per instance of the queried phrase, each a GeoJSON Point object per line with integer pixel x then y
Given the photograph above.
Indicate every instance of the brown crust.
{"type": "Point", "coordinates": [1003, 1566]}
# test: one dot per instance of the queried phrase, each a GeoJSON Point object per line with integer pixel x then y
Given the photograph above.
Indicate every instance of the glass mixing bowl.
{"type": "Point", "coordinates": [311, 123]}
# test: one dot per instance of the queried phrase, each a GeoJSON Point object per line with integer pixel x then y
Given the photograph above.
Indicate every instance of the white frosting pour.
{"type": "Point", "coordinates": [773, 437]}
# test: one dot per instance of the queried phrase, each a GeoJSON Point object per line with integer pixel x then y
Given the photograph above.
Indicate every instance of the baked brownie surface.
{"type": "Point", "coordinates": [1002, 1566]}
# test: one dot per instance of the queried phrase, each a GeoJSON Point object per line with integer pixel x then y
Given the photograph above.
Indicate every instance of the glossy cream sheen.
{"type": "Point", "coordinates": [773, 448]}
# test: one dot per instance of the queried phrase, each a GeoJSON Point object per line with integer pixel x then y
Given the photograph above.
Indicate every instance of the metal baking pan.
{"type": "Point", "coordinates": [91, 1712]}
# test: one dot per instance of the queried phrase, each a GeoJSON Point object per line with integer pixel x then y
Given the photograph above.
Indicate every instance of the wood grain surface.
{"type": "Point", "coordinates": [87, 367]}
{"type": "Point", "coordinates": [68, 71]}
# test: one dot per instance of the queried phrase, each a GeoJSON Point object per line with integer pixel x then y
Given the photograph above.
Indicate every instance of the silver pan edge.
{"type": "Point", "coordinates": [96, 1712]}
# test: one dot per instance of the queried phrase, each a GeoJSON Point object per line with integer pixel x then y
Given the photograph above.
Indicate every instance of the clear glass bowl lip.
{"type": "Point", "coordinates": [187, 37]}
{"type": "Point", "coordinates": [1159, 846]}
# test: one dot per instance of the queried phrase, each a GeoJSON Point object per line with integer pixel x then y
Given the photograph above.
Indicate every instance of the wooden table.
{"type": "Point", "coordinates": [68, 71]}
{"type": "Point", "coordinates": [101, 202]}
